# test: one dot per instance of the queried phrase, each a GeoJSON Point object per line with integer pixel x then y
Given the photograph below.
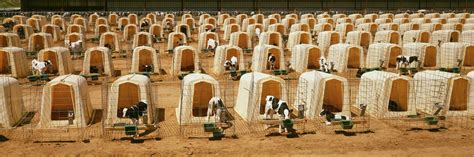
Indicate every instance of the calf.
{"type": "Point", "coordinates": [392, 106]}
{"type": "Point", "coordinates": [271, 103]}
{"type": "Point", "coordinates": [405, 60]}
{"type": "Point", "coordinates": [217, 108]}
{"type": "Point", "coordinates": [135, 112]}
{"type": "Point", "coordinates": [40, 67]}
{"type": "Point", "coordinates": [271, 60]}
{"type": "Point", "coordinates": [326, 111]}
{"type": "Point", "coordinates": [324, 67]}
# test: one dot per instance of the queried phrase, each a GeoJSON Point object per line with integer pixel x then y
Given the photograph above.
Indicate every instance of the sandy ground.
{"type": "Point", "coordinates": [382, 140]}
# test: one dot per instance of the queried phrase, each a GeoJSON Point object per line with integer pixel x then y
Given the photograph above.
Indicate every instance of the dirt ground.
{"type": "Point", "coordinates": [382, 140]}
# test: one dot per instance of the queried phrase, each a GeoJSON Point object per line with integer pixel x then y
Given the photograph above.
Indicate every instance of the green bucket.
{"type": "Point", "coordinates": [412, 116]}
{"type": "Point", "coordinates": [347, 124]}
{"type": "Point", "coordinates": [413, 70]}
{"type": "Point", "coordinates": [276, 72]}
{"type": "Point", "coordinates": [287, 123]}
{"type": "Point", "coordinates": [94, 77]}
{"type": "Point", "coordinates": [44, 77]}
{"type": "Point", "coordinates": [210, 127]}
{"type": "Point", "coordinates": [403, 71]}
{"type": "Point", "coordinates": [431, 120]}
{"type": "Point", "coordinates": [456, 70]}
{"type": "Point", "coordinates": [131, 129]}
{"type": "Point", "coordinates": [32, 78]}
{"type": "Point", "coordinates": [217, 134]}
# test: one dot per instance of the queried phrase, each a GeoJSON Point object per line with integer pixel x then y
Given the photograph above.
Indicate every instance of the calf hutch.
{"type": "Point", "coordinates": [467, 37]}
{"type": "Point", "coordinates": [323, 90]}
{"type": "Point", "coordinates": [345, 57]}
{"type": "Point", "coordinates": [129, 32]}
{"type": "Point", "coordinates": [448, 90]}
{"type": "Point", "coordinates": [387, 95]}
{"type": "Point", "coordinates": [144, 57]}
{"type": "Point", "coordinates": [74, 37]}
{"type": "Point", "coordinates": [98, 60]}
{"type": "Point", "coordinates": [225, 53]}
{"type": "Point", "coordinates": [11, 103]}
{"type": "Point", "coordinates": [305, 57]}
{"type": "Point", "coordinates": [388, 26]}
{"type": "Point", "coordinates": [13, 62]}
{"type": "Point", "coordinates": [203, 40]}
{"type": "Point", "coordinates": [9, 40]}
{"type": "Point", "coordinates": [110, 40]}
{"type": "Point", "coordinates": [269, 21]}
{"type": "Point", "coordinates": [271, 38]}
{"type": "Point", "coordinates": [54, 30]}
{"type": "Point", "coordinates": [382, 55]}
{"type": "Point", "coordinates": [260, 57]}
{"type": "Point", "coordinates": [185, 59]}
{"type": "Point", "coordinates": [369, 27]}
{"type": "Point", "coordinates": [205, 28]}
{"type": "Point", "coordinates": [425, 52]}
{"type": "Point", "coordinates": [60, 58]}
{"type": "Point", "coordinates": [176, 39]}
{"type": "Point", "coordinates": [440, 37]}
{"type": "Point", "coordinates": [156, 31]}
{"type": "Point", "coordinates": [197, 90]}
{"type": "Point", "coordinates": [455, 55]}
{"type": "Point", "coordinates": [414, 36]}
{"type": "Point", "coordinates": [58, 20]}
{"type": "Point", "coordinates": [251, 30]}
{"type": "Point", "coordinates": [388, 36]}
{"type": "Point", "coordinates": [24, 31]}
{"type": "Point", "coordinates": [253, 89]}
{"type": "Point", "coordinates": [326, 39]}
{"type": "Point", "coordinates": [344, 28]}
{"type": "Point", "coordinates": [101, 29]}
{"type": "Point", "coordinates": [125, 92]}
{"type": "Point", "coordinates": [277, 27]}
{"type": "Point", "coordinates": [184, 28]}
{"type": "Point", "coordinates": [229, 29]}
{"type": "Point", "coordinates": [240, 39]}
{"type": "Point", "coordinates": [298, 37]}
{"type": "Point", "coordinates": [65, 103]}
{"type": "Point", "coordinates": [75, 29]}
{"type": "Point", "coordinates": [142, 39]}
{"type": "Point", "coordinates": [360, 38]}
{"type": "Point", "coordinates": [430, 27]}
{"type": "Point", "coordinates": [39, 41]}
{"type": "Point", "coordinates": [300, 27]}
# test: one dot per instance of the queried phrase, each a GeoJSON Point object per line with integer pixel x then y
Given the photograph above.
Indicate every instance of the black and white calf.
{"type": "Point", "coordinates": [275, 105]}
{"type": "Point", "coordinates": [110, 46]}
{"type": "Point", "coordinates": [326, 111]}
{"type": "Point", "coordinates": [405, 60]}
{"type": "Point", "coordinates": [135, 112]}
{"type": "Point", "coordinates": [40, 67]}
{"type": "Point", "coordinates": [271, 60]}
{"type": "Point", "coordinates": [75, 47]}
{"type": "Point", "coordinates": [324, 66]}
{"type": "Point", "coordinates": [217, 109]}
{"type": "Point", "coordinates": [283, 110]}
{"type": "Point", "coordinates": [271, 103]}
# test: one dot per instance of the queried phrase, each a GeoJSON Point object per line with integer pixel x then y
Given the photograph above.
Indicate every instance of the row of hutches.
{"type": "Point", "coordinates": [364, 43]}
{"type": "Point", "coordinates": [68, 94]}
{"type": "Point", "coordinates": [14, 62]}
{"type": "Point", "coordinates": [352, 41]}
